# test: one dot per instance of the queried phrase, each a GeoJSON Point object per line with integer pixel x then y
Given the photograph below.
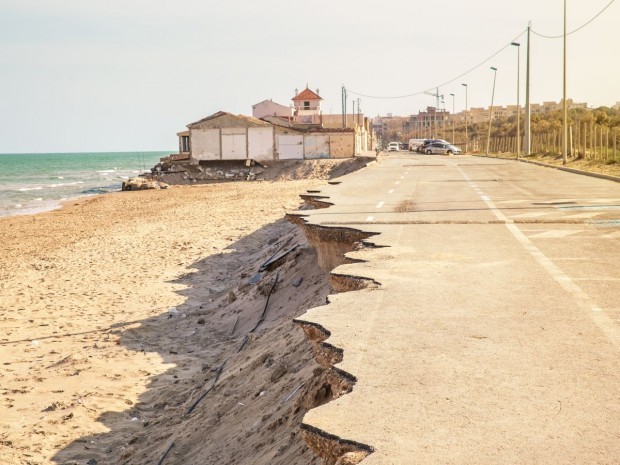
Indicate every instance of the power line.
{"type": "Point", "coordinates": [576, 30]}
{"type": "Point", "coordinates": [447, 82]}
{"type": "Point", "coordinates": [386, 97]}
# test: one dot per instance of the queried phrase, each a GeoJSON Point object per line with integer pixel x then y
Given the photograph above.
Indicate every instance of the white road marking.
{"type": "Point", "coordinates": [578, 258]}
{"type": "Point", "coordinates": [583, 215]}
{"type": "Point", "coordinates": [604, 200]}
{"type": "Point", "coordinates": [599, 317]}
{"type": "Point", "coordinates": [515, 201]}
{"type": "Point", "coordinates": [402, 177]}
{"type": "Point", "coordinates": [380, 204]}
{"type": "Point", "coordinates": [391, 191]}
{"type": "Point", "coordinates": [529, 215]}
{"type": "Point", "coordinates": [397, 183]}
{"type": "Point", "coordinates": [556, 233]}
{"type": "Point", "coordinates": [369, 219]}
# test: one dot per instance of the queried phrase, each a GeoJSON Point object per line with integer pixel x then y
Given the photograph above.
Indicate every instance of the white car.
{"type": "Point", "coordinates": [415, 143]}
{"type": "Point", "coordinates": [393, 147]}
{"type": "Point", "coordinates": [442, 148]}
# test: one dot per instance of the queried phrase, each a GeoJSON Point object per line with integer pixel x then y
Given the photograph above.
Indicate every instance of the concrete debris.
{"type": "Point", "coordinates": [139, 183]}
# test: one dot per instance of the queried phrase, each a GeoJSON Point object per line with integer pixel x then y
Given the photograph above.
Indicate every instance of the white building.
{"type": "Point", "coordinates": [271, 108]}
{"type": "Point", "coordinates": [307, 106]}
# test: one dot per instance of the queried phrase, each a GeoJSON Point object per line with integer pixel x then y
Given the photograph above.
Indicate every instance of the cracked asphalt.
{"type": "Point", "coordinates": [494, 336]}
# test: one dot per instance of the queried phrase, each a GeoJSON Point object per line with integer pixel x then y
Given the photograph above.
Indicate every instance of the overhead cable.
{"type": "Point", "coordinates": [444, 83]}
{"type": "Point", "coordinates": [576, 30]}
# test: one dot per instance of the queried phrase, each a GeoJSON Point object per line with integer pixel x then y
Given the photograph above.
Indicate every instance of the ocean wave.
{"type": "Point", "coordinates": [107, 171]}
{"type": "Point", "coordinates": [63, 184]}
{"type": "Point", "coordinates": [20, 210]}
{"type": "Point", "coordinates": [101, 190]}
{"type": "Point", "coordinates": [49, 186]}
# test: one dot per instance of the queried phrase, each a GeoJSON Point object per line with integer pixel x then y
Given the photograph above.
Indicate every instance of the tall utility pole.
{"type": "Point", "coordinates": [466, 113]}
{"type": "Point", "coordinates": [564, 105]}
{"type": "Point", "coordinates": [452, 95]}
{"type": "Point", "coordinates": [527, 140]}
{"type": "Point", "coordinates": [491, 110]}
{"type": "Point", "coordinates": [518, 45]}
{"type": "Point", "coordinates": [344, 107]}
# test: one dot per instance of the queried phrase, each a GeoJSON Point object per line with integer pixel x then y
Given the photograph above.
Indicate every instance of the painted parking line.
{"type": "Point", "coordinates": [369, 219]}
{"type": "Point", "coordinates": [391, 191]}
{"type": "Point", "coordinates": [582, 299]}
{"type": "Point", "coordinates": [380, 204]}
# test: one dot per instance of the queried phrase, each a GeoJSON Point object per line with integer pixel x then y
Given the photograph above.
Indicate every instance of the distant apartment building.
{"type": "Point", "coordinates": [389, 125]}
{"type": "Point", "coordinates": [429, 119]}
{"type": "Point", "coordinates": [480, 115]}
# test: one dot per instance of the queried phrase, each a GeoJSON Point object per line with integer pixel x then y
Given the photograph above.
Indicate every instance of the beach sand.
{"type": "Point", "coordinates": [116, 311]}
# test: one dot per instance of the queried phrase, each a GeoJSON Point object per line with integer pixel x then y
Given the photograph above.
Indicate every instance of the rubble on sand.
{"type": "Point", "coordinates": [139, 183]}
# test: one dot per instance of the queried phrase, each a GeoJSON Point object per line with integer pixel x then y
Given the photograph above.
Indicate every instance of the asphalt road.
{"type": "Point", "coordinates": [494, 337]}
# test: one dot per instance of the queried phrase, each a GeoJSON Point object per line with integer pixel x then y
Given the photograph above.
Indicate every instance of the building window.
{"type": "Point", "coordinates": [306, 105]}
{"type": "Point", "coordinates": [185, 144]}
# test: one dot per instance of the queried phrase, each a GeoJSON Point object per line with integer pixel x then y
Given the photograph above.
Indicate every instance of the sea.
{"type": "Point", "coordinates": [32, 183]}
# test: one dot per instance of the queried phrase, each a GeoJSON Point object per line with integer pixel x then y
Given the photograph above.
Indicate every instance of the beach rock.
{"type": "Point", "coordinates": [139, 183]}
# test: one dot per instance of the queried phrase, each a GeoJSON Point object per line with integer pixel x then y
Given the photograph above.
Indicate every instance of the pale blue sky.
{"type": "Point", "coordinates": [97, 75]}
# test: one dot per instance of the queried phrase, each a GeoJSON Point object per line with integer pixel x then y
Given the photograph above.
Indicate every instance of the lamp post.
{"type": "Point", "coordinates": [564, 105]}
{"type": "Point", "coordinates": [518, 45]}
{"type": "Point", "coordinates": [452, 95]}
{"type": "Point", "coordinates": [443, 118]}
{"type": "Point", "coordinates": [491, 110]}
{"type": "Point", "coordinates": [466, 113]}
{"type": "Point", "coordinates": [527, 138]}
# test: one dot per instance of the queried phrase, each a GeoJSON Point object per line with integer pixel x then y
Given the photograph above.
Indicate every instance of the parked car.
{"type": "Point", "coordinates": [415, 143]}
{"type": "Point", "coordinates": [425, 142]}
{"type": "Point", "coordinates": [393, 147]}
{"type": "Point", "coordinates": [442, 148]}
{"type": "Point", "coordinates": [422, 148]}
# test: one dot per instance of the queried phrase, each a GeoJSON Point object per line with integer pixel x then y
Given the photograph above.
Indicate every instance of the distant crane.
{"type": "Point", "coordinates": [439, 98]}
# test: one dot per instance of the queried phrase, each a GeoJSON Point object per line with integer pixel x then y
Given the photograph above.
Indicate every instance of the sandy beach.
{"type": "Point", "coordinates": [116, 311]}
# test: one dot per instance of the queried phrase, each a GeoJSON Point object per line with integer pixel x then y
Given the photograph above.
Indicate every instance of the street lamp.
{"type": "Point", "coordinates": [443, 118]}
{"type": "Point", "coordinates": [564, 106]}
{"type": "Point", "coordinates": [491, 109]}
{"type": "Point", "coordinates": [518, 45]}
{"type": "Point", "coordinates": [466, 113]}
{"type": "Point", "coordinates": [452, 95]}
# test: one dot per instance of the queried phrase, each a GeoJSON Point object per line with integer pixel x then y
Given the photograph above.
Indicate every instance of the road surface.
{"type": "Point", "coordinates": [494, 336]}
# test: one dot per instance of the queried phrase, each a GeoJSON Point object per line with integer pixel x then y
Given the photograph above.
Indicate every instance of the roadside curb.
{"type": "Point", "coordinates": [561, 168]}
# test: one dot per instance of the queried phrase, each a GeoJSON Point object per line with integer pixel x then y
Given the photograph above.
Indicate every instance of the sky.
{"type": "Point", "coordinates": [110, 75]}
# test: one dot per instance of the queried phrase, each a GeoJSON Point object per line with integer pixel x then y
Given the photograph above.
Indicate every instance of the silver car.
{"type": "Point", "coordinates": [442, 148]}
